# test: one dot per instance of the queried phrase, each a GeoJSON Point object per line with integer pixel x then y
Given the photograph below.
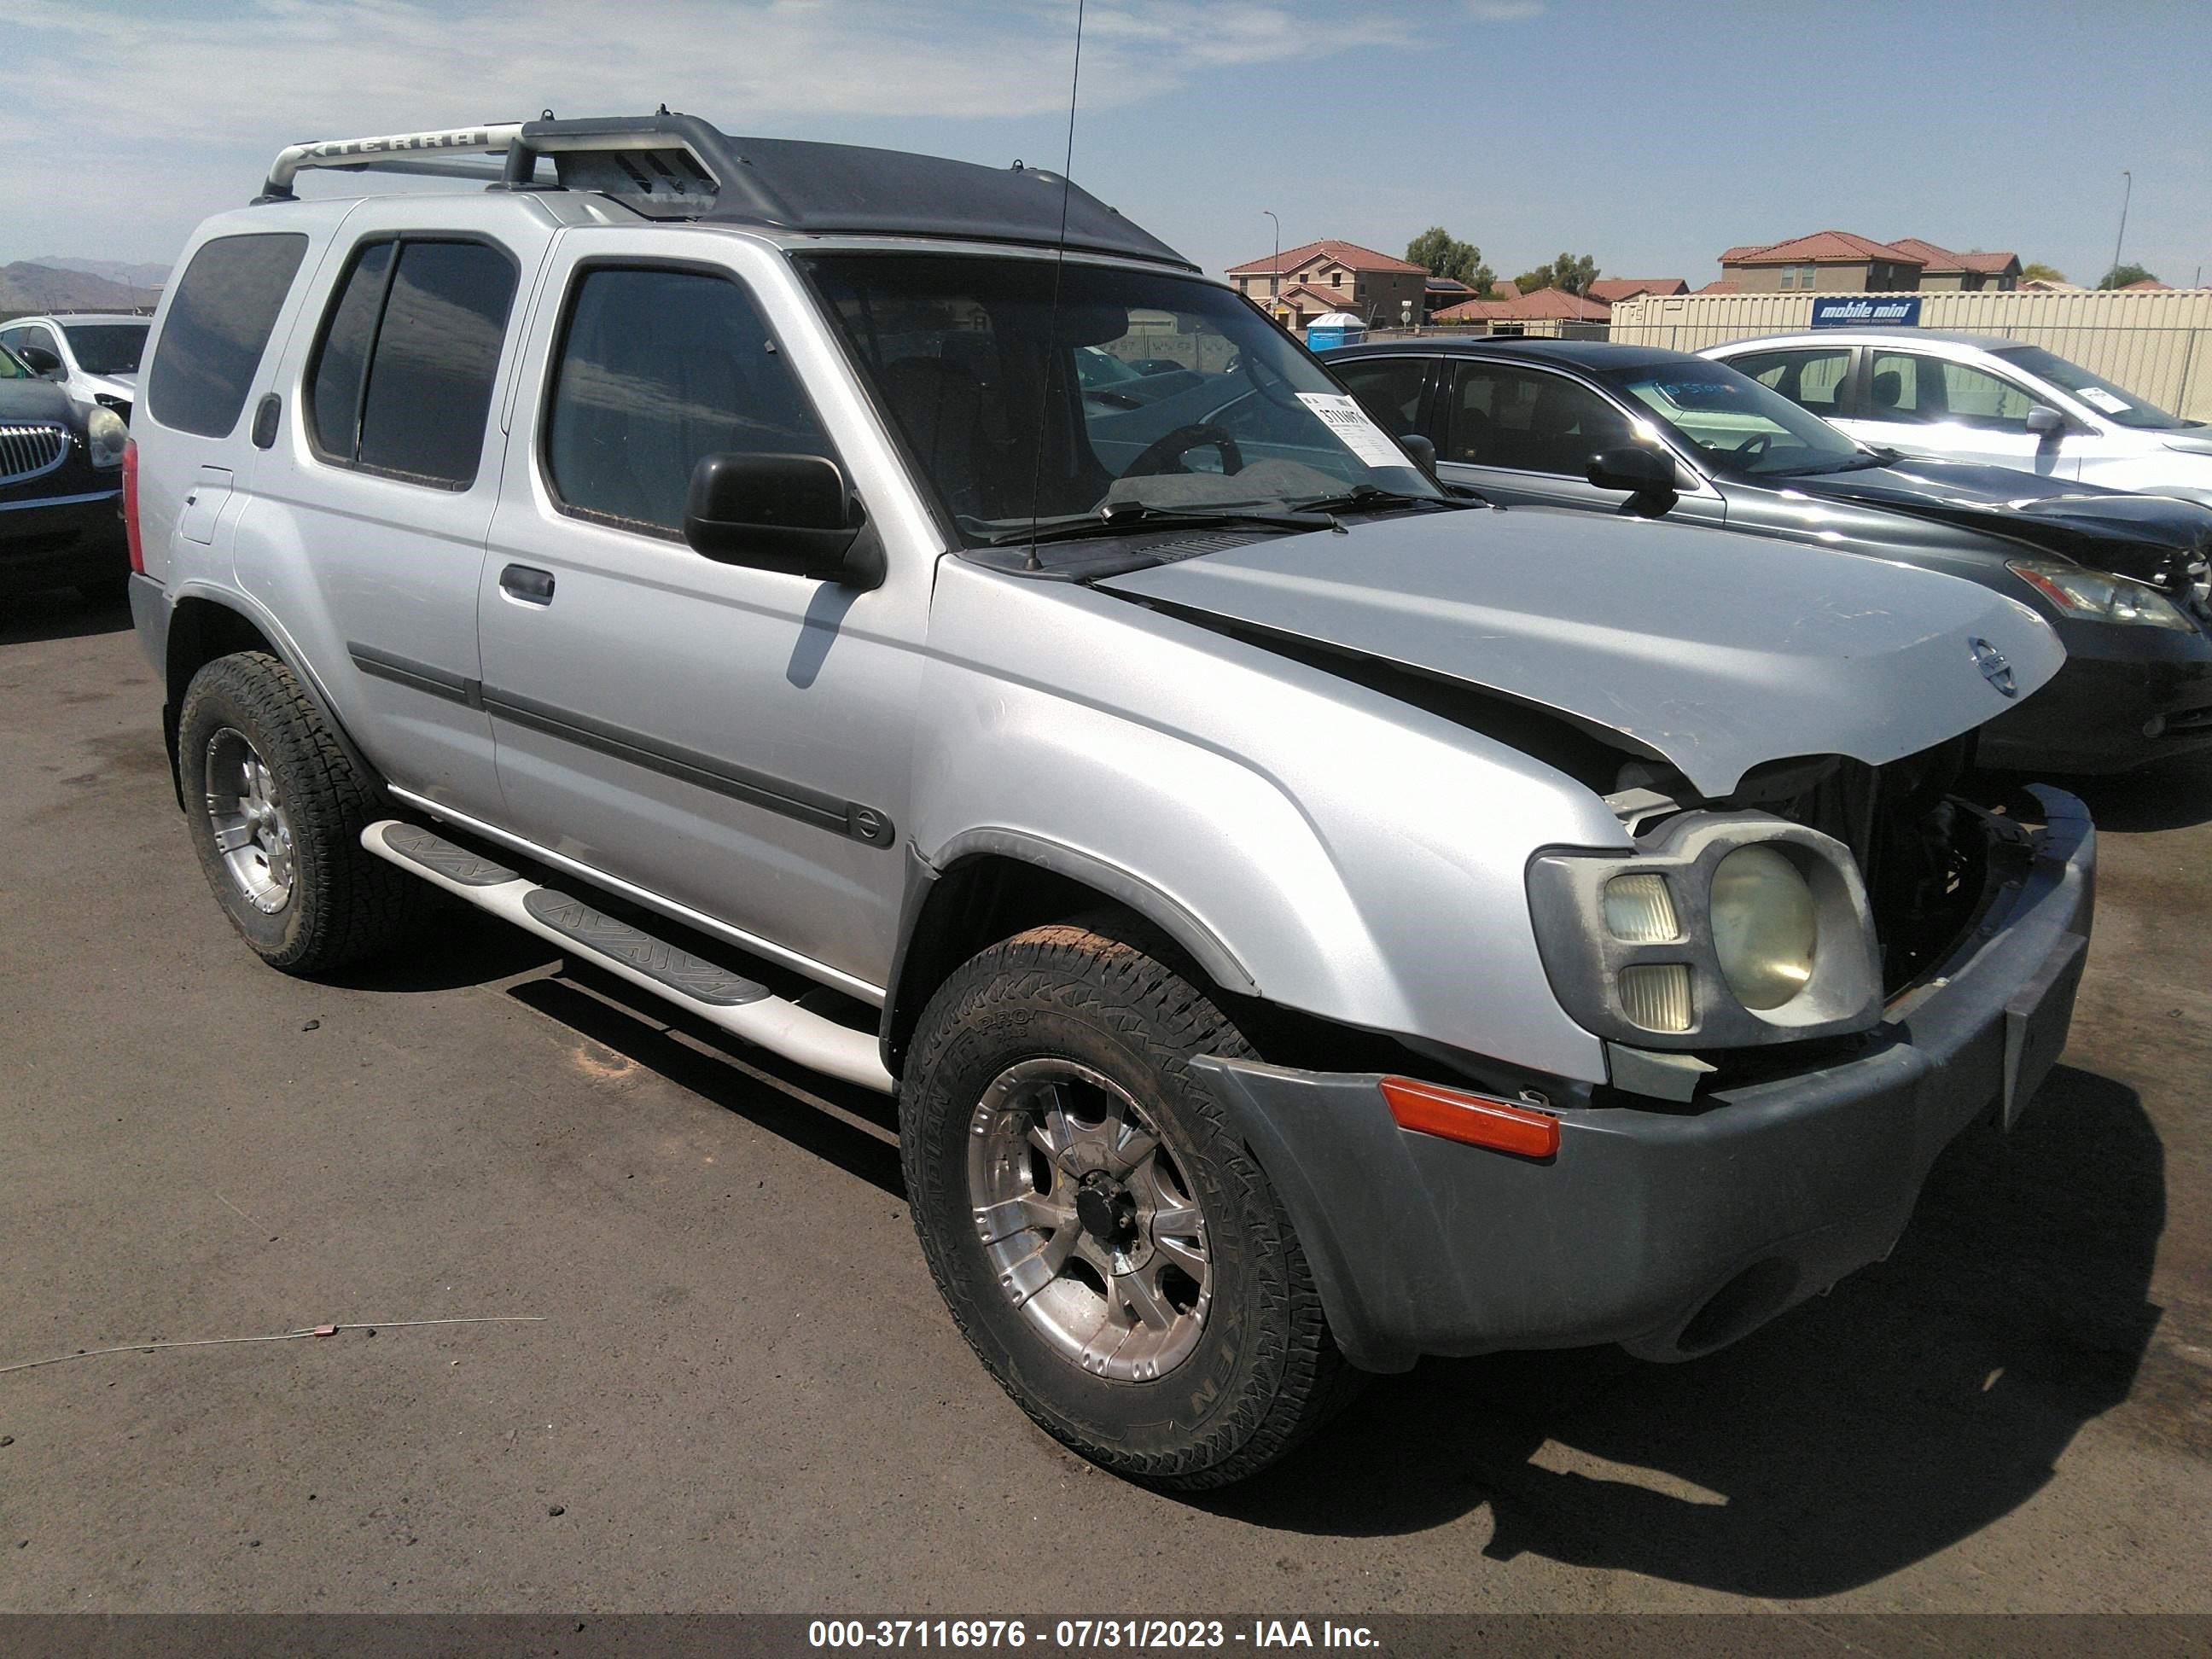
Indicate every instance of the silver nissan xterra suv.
{"type": "Point", "coordinates": [1309, 919]}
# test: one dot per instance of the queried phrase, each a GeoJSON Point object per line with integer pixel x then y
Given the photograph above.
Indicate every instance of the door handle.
{"type": "Point", "coordinates": [527, 582]}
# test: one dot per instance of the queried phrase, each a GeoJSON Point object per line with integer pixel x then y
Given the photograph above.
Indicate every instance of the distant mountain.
{"type": "Point", "coordinates": [26, 286]}
{"type": "Point", "coordinates": [115, 270]}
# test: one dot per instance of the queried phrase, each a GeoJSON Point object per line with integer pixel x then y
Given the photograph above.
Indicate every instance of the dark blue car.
{"type": "Point", "coordinates": [1599, 427]}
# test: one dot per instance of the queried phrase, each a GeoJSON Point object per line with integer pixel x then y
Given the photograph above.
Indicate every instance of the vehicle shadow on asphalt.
{"type": "Point", "coordinates": [61, 614]}
{"type": "Point", "coordinates": [1922, 1400]}
{"type": "Point", "coordinates": [854, 1128]}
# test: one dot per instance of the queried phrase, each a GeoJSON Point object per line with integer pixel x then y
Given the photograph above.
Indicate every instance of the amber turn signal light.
{"type": "Point", "coordinates": [1475, 1119]}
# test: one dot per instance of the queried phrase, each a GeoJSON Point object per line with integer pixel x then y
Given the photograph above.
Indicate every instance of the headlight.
{"type": "Point", "coordinates": [1717, 930]}
{"type": "Point", "coordinates": [2094, 597]}
{"type": "Point", "coordinates": [105, 435]}
{"type": "Point", "coordinates": [1766, 926]}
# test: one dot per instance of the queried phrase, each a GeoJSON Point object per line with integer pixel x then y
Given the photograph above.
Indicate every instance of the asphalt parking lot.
{"type": "Point", "coordinates": [742, 1392]}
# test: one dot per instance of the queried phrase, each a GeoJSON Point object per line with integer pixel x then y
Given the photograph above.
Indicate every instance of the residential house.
{"type": "Point", "coordinates": [1830, 261]}
{"type": "Point", "coordinates": [1841, 261]}
{"type": "Point", "coordinates": [1334, 276]}
{"type": "Point", "coordinates": [1612, 290]}
{"type": "Point", "coordinates": [1549, 312]}
{"type": "Point", "coordinates": [1943, 270]}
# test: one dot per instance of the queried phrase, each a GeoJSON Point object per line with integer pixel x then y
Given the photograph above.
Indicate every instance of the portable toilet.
{"type": "Point", "coordinates": [1338, 328]}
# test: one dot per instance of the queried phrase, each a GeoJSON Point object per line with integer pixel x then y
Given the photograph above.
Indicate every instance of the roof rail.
{"type": "Point", "coordinates": [435, 153]}
{"type": "Point", "coordinates": [667, 165]}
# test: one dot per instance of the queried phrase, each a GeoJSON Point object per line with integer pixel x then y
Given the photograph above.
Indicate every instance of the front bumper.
{"type": "Point", "coordinates": [1676, 1231]}
{"type": "Point", "coordinates": [58, 540]}
{"type": "Point", "coordinates": [2126, 696]}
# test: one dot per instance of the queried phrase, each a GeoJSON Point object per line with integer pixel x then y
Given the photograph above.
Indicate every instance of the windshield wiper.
{"type": "Point", "coordinates": [1363, 498]}
{"type": "Point", "coordinates": [1129, 517]}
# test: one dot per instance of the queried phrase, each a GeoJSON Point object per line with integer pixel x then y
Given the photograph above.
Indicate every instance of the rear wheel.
{"type": "Point", "coordinates": [1108, 1245]}
{"type": "Point", "coordinates": [276, 810]}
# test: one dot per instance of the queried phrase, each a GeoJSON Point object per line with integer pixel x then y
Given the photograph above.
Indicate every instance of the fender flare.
{"type": "Point", "coordinates": [1206, 948]}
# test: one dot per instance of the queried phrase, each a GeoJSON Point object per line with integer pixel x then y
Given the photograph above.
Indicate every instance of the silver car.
{"type": "Point", "coordinates": [1308, 919]}
{"type": "Point", "coordinates": [93, 354]}
{"type": "Point", "coordinates": [1983, 397]}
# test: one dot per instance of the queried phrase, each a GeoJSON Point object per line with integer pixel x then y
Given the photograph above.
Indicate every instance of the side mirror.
{"type": "Point", "coordinates": [1423, 452]}
{"type": "Point", "coordinates": [2046, 422]}
{"type": "Point", "coordinates": [781, 512]}
{"type": "Point", "coordinates": [1646, 474]}
{"type": "Point", "coordinates": [39, 360]}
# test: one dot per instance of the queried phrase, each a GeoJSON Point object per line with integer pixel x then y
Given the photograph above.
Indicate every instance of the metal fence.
{"type": "Point", "coordinates": [2157, 344]}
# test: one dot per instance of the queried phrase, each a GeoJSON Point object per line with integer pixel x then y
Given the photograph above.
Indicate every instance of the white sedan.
{"type": "Point", "coordinates": [1981, 397]}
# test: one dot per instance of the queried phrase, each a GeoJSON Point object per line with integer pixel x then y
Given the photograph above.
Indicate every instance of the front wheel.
{"type": "Point", "coordinates": [1108, 1245]}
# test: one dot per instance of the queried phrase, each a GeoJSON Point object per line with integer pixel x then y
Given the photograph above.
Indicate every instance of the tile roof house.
{"type": "Point", "coordinates": [1548, 311]}
{"type": "Point", "coordinates": [1612, 290]}
{"type": "Point", "coordinates": [1370, 285]}
{"type": "Point", "coordinates": [1843, 262]}
{"type": "Point", "coordinates": [1940, 268]}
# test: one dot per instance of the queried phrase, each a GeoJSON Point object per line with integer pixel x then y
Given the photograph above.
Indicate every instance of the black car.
{"type": "Point", "coordinates": [61, 489]}
{"type": "Point", "coordinates": [1621, 429]}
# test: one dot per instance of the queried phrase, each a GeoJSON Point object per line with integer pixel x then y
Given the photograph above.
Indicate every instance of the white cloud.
{"type": "Point", "coordinates": [186, 106]}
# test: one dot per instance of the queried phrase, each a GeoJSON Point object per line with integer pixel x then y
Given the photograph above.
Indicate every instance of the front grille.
{"type": "Point", "coordinates": [28, 450]}
{"type": "Point", "coordinates": [1923, 856]}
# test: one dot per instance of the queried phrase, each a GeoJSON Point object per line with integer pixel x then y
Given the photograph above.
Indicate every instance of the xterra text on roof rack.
{"type": "Point", "coordinates": [1308, 919]}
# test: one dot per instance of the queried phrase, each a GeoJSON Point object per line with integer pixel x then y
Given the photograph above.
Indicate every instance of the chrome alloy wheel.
{"type": "Point", "coordinates": [1088, 1223]}
{"type": "Point", "coordinates": [252, 831]}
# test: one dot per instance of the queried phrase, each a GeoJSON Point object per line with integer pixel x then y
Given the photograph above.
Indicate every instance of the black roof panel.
{"type": "Point", "coordinates": [678, 166]}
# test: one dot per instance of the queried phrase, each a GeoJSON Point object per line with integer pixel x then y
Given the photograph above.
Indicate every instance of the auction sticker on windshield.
{"type": "Point", "coordinates": [1341, 414]}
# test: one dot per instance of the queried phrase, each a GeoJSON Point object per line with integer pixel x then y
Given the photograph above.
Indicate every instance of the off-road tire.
{"type": "Point", "coordinates": [1266, 1372]}
{"type": "Point", "coordinates": [345, 905]}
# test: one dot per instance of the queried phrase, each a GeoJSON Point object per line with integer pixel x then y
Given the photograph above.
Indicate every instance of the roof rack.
{"type": "Point", "coordinates": [678, 167]}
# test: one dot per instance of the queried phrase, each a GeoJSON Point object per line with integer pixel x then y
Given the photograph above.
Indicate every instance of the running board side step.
{"type": "Point", "coordinates": [712, 992]}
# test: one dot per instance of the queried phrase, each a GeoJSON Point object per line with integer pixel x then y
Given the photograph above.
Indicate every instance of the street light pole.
{"type": "Point", "coordinates": [1275, 271]}
{"type": "Point", "coordinates": [2124, 194]}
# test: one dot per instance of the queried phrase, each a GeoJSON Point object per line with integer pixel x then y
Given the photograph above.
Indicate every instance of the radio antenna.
{"type": "Point", "coordinates": [1059, 260]}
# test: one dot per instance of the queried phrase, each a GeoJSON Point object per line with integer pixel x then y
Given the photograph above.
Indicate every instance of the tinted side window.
{"type": "Point", "coordinates": [1388, 388]}
{"type": "Point", "coordinates": [437, 350]}
{"type": "Point", "coordinates": [334, 384]}
{"type": "Point", "coordinates": [657, 368]}
{"type": "Point", "coordinates": [1528, 421]}
{"type": "Point", "coordinates": [218, 325]}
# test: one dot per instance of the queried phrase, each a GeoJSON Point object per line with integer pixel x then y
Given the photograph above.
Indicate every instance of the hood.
{"type": "Point", "coordinates": [127, 385]}
{"type": "Point", "coordinates": [36, 400]}
{"type": "Point", "coordinates": [1714, 652]}
{"type": "Point", "coordinates": [2194, 440]}
{"type": "Point", "coordinates": [2150, 537]}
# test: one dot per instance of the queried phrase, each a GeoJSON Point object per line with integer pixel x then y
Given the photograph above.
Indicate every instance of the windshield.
{"type": "Point", "coordinates": [107, 347]}
{"type": "Point", "coordinates": [2115, 404]}
{"type": "Point", "coordinates": [1009, 415]}
{"type": "Point", "coordinates": [1738, 426]}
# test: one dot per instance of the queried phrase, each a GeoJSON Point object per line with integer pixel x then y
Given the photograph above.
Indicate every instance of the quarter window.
{"type": "Point", "coordinates": [659, 368]}
{"type": "Point", "coordinates": [403, 376]}
{"type": "Point", "coordinates": [219, 323]}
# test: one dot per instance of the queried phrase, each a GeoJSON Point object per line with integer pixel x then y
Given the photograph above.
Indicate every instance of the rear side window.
{"type": "Point", "coordinates": [402, 377]}
{"type": "Point", "coordinates": [657, 368]}
{"type": "Point", "coordinates": [218, 325]}
{"type": "Point", "coordinates": [1812, 378]}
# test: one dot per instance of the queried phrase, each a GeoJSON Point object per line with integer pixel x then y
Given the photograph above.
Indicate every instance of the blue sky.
{"type": "Point", "coordinates": [1650, 135]}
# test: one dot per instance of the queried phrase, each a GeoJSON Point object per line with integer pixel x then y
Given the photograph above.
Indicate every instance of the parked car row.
{"type": "Point", "coordinates": [1310, 916]}
{"type": "Point", "coordinates": [1601, 428]}
{"type": "Point", "coordinates": [61, 486]}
